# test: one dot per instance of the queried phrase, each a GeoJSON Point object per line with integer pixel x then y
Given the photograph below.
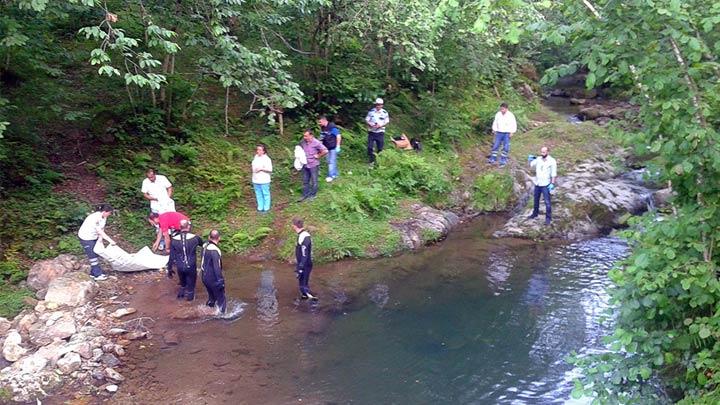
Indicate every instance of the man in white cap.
{"type": "Point", "coordinates": [376, 119]}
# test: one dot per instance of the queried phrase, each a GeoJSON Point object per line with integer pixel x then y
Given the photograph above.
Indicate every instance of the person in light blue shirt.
{"type": "Point", "coordinates": [331, 138]}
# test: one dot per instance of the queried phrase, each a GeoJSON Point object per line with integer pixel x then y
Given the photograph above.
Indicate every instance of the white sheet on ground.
{"type": "Point", "coordinates": [120, 260]}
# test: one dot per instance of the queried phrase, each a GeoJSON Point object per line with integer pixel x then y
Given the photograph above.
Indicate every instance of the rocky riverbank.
{"type": "Point", "coordinates": [76, 334]}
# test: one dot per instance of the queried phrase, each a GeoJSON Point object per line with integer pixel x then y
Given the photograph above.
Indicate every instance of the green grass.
{"type": "Point", "coordinates": [12, 300]}
{"type": "Point", "coordinates": [492, 191]}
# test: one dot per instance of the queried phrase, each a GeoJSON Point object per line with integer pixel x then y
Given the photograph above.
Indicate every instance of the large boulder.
{"type": "Point", "coordinates": [426, 224]}
{"type": "Point", "coordinates": [71, 289]}
{"type": "Point", "coordinates": [12, 351]}
{"type": "Point", "coordinates": [45, 271]}
{"type": "Point", "coordinates": [592, 199]}
{"type": "Point", "coordinates": [69, 363]}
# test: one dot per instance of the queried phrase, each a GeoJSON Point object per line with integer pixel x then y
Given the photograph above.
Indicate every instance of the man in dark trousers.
{"type": "Point", "coordinates": [212, 271]}
{"type": "Point", "coordinates": [183, 256]}
{"type": "Point", "coordinates": [303, 255]}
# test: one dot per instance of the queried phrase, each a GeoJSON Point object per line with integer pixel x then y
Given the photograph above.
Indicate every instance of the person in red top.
{"type": "Point", "coordinates": [166, 221]}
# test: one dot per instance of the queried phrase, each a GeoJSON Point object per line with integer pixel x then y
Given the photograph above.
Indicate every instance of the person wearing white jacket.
{"type": "Point", "coordinates": [504, 126]}
{"type": "Point", "coordinates": [261, 171]}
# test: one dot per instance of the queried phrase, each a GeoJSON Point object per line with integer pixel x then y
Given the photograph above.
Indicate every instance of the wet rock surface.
{"type": "Point", "coordinates": [592, 199]}
{"type": "Point", "coordinates": [425, 224]}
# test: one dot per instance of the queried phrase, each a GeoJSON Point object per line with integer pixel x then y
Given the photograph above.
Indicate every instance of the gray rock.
{"type": "Point", "coordinates": [12, 351]}
{"type": "Point", "coordinates": [425, 223]}
{"type": "Point", "coordinates": [45, 271]}
{"type": "Point", "coordinates": [52, 330]}
{"type": "Point", "coordinates": [71, 289]}
{"type": "Point", "coordinates": [69, 363]}
{"type": "Point", "coordinates": [112, 388]}
{"type": "Point", "coordinates": [113, 375]}
{"type": "Point", "coordinates": [31, 364]}
{"type": "Point", "coordinates": [171, 338]}
{"type": "Point", "coordinates": [109, 360]}
{"type": "Point", "coordinates": [122, 312]}
{"type": "Point", "coordinates": [25, 322]}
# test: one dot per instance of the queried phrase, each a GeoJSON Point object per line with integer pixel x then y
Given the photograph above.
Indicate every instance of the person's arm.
{"type": "Point", "coordinates": [170, 191]}
{"type": "Point", "coordinates": [217, 268]}
{"type": "Point", "coordinates": [368, 119]}
{"type": "Point", "coordinates": [513, 124]}
{"type": "Point", "coordinates": [495, 124]}
{"type": "Point", "coordinates": [171, 262]}
{"type": "Point", "coordinates": [304, 256]}
{"type": "Point", "coordinates": [322, 151]}
{"type": "Point", "coordinates": [268, 166]}
{"type": "Point", "coordinates": [103, 235]}
{"type": "Point", "coordinates": [156, 244]}
{"type": "Point", "coordinates": [167, 242]}
{"type": "Point", "coordinates": [385, 121]}
{"type": "Point", "coordinates": [338, 137]}
{"type": "Point", "coordinates": [553, 173]}
{"type": "Point", "coordinates": [533, 162]}
{"type": "Point", "coordinates": [149, 197]}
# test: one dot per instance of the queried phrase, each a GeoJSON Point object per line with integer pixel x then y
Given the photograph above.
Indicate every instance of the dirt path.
{"type": "Point", "coordinates": [72, 153]}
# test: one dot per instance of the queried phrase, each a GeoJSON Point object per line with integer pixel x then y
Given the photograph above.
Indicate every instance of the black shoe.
{"type": "Point", "coordinates": [189, 298]}
{"type": "Point", "coordinates": [301, 199]}
{"type": "Point", "coordinates": [210, 304]}
{"type": "Point", "coordinates": [304, 297]}
{"type": "Point", "coordinates": [533, 216]}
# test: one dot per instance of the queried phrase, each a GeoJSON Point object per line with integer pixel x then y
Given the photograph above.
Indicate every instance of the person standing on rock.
{"type": "Point", "coordinates": [166, 222]}
{"type": "Point", "coordinates": [157, 189]}
{"type": "Point", "coordinates": [545, 175]}
{"type": "Point", "coordinates": [261, 171]}
{"type": "Point", "coordinates": [376, 119]}
{"type": "Point", "coordinates": [91, 230]}
{"type": "Point", "coordinates": [314, 150]}
{"type": "Point", "coordinates": [503, 127]}
{"type": "Point", "coordinates": [331, 139]}
{"type": "Point", "coordinates": [183, 256]}
{"type": "Point", "coordinates": [212, 274]}
{"type": "Point", "coordinates": [303, 257]}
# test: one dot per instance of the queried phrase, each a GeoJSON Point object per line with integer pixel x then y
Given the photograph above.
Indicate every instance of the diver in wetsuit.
{"type": "Point", "coordinates": [212, 271]}
{"type": "Point", "coordinates": [303, 256]}
{"type": "Point", "coordinates": [183, 255]}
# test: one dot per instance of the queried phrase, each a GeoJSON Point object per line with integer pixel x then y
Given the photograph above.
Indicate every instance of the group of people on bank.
{"type": "Point", "coordinates": [174, 235]}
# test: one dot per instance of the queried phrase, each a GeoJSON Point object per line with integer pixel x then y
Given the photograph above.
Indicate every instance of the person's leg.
{"type": "Point", "coordinates": [88, 246]}
{"type": "Point", "coordinates": [259, 196]}
{"type": "Point", "coordinates": [314, 181]}
{"type": "Point", "coordinates": [370, 149]}
{"type": "Point", "coordinates": [191, 278]}
{"type": "Point", "coordinates": [536, 201]}
{"type": "Point", "coordinates": [380, 140]}
{"type": "Point", "coordinates": [496, 145]}
{"type": "Point", "coordinates": [506, 148]}
{"type": "Point", "coordinates": [307, 281]}
{"type": "Point", "coordinates": [548, 205]}
{"type": "Point", "coordinates": [220, 296]}
{"type": "Point", "coordinates": [265, 189]}
{"type": "Point", "coordinates": [306, 182]}
{"type": "Point", "coordinates": [182, 276]}
{"type": "Point", "coordinates": [332, 163]}
{"type": "Point", "coordinates": [211, 295]}
{"type": "Point", "coordinates": [303, 283]}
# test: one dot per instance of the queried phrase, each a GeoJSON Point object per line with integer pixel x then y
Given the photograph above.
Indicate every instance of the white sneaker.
{"type": "Point", "coordinates": [101, 277]}
{"type": "Point", "coordinates": [329, 179]}
{"type": "Point", "coordinates": [312, 297]}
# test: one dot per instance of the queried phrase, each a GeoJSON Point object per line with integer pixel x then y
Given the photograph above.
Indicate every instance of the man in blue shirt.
{"type": "Point", "coordinates": [331, 138]}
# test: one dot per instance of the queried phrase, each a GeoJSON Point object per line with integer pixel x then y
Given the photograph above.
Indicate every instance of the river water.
{"type": "Point", "coordinates": [470, 321]}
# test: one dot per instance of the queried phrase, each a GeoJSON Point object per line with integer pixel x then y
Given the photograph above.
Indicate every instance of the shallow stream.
{"type": "Point", "coordinates": [470, 321]}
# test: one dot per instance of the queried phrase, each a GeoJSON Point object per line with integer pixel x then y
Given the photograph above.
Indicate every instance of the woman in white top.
{"type": "Point", "coordinates": [92, 229]}
{"type": "Point", "coordinates": [261, 170]}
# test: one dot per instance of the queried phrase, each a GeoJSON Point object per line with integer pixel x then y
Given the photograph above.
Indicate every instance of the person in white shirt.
{"type": "Point", "coordinates": [376, 119]}
{"type": "Point", "coordinates": [158, 190]}
{"type": "Point", "coordinates": [261, 170]}
{"type": "Point", "coordinates": [92, 229]}
{"type": "Point", "coordinates": [504, 126]}
{"type": "Point", "coordinates": [545, 175]}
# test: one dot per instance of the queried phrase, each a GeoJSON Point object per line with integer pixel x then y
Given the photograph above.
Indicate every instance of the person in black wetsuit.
{"type": "Point", "coordinates": [212, 271]}
{"type": "Point", "coordinates": [183, 256]}
{"type": "Point", "coordinates": [303, 255]}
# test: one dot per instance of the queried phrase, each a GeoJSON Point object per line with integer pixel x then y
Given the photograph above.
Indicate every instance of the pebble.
{"type": "Point", "coordinates": [111, 388]}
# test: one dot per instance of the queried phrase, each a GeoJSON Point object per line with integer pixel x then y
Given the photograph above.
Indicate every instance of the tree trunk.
{"type": "Point", "coordinates": [281, 123]}
{"type": "Point", "coordinates": [227, 107]}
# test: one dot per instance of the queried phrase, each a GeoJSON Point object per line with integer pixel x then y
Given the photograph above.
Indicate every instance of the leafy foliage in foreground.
{"type": "Point", "coordinates": [666, 293]}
